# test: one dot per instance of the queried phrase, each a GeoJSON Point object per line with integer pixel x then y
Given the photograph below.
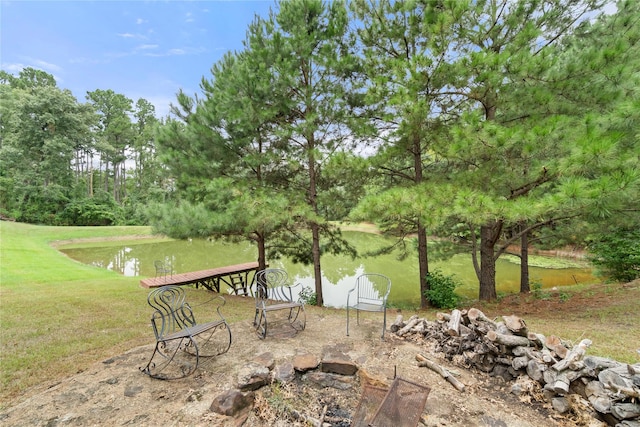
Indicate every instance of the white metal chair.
{"type": "Point", "coordinates": [369, 294]}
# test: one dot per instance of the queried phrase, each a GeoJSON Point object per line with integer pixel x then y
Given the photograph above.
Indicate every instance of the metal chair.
{"type": "Point", "coordinates": [273, 292]}
{"type": "Point", "coordinates": [180, 340]}
{"type": "Point", "coordinates": [369, 294]}
{"type": "Point", "coordinates": [162, 269]}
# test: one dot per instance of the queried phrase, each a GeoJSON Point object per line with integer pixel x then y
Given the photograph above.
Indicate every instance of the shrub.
{"type": "Point", "coordinates": [617, 254]}
{"type": "Point", "coordinates": [441, 292]}
{"type": "Point", "coordinates": [98, 210]}
{"type": "Point", "coordinates": [308, 297]}
{"type": "Point", "coordinates": [538, 293]}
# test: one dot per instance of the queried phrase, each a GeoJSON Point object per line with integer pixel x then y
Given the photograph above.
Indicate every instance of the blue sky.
{"type": "Point", "coordinates": [141, 49]}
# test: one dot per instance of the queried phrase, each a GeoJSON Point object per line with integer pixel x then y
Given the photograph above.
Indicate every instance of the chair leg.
{"type": "Point", "coordinates": [347, 320]}
{"type": "Point", "coordinates": [260, 323]}
{"type": "Point", "coordinates": [384, 322]}
{"type": "Point", "coordinates": [297, 319]}
{"type": "Point", "coordinates": [173, 359]}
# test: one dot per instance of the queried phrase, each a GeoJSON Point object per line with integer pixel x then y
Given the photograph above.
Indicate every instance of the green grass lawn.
{"type": "Point", "coordinates": [57, 316]}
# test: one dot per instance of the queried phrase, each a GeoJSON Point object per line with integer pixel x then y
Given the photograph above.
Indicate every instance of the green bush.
{"type": "Point", "coordinates": [101, 209]}
{"type": "Point", "coordinates": [308, 297]}
{"type": "Point", "coordinates": [538, 293]}
{"type": "Point", "coordinates": [617, 254]}
{"type": "Point", "coordinates": [441, 292]}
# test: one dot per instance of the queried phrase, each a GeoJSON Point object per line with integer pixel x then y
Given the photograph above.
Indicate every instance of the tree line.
{"type": "Point", "coordinates": [491, 123]}
{"type": "Point", "coordinates": [64, 162]}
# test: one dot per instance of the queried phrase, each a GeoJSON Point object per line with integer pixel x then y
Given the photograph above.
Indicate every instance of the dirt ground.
{"type": "Point", "coordinates": [115, 392]}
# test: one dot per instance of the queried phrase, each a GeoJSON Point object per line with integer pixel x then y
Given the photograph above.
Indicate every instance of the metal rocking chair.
{"type": "Point", "coordinates": [180, 340]}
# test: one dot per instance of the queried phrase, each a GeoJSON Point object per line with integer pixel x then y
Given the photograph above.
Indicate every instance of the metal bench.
{"type": "Point", "coordinates": [273, 292]}
{"type": "Point", "coordinates": [369, 294]}
{"type": "Point", "coordinates": [180, 340]}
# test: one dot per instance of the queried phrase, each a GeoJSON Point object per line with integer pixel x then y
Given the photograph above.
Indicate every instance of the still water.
{"type": "Point", "coordinates": [135, 258]}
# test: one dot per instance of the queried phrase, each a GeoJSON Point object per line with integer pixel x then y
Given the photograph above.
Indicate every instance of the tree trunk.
{"type": "Point", "coordinates": [423, 259]}
{"type": "Point", "coordinates": [423, 262]}
{"type": "Point", "coordinates": [524, 262]}
{"type": "Point", "coordinates": [262, 257]}
{"type": "Point", "coordinates": [317, 271]}
{"type": "Point", "coordinates": [488, 238]}
{"type": "Point", "coordinates": [315, 228]}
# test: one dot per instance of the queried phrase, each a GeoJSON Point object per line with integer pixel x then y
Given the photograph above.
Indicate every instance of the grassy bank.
{"type": "Point", "coordinates": [58, 316]}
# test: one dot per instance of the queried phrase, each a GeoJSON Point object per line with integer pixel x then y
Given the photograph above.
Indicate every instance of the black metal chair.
{"type": "Point", "coordinates": [162, 269]}
{"type": "Point", "coordinates": [273, 292]}
{"type": "Point", "coordinates": [180, 340]}
{"type": "Point", "coordinates": [370, 293]}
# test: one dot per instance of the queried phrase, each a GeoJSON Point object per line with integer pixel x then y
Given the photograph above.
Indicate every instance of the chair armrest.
{"type": "Point", "coordinates": [349, 293]}
{"type": "Point", "coordinates": [217, 301]}
{"type": "Point", "coordinates": [291, 293]}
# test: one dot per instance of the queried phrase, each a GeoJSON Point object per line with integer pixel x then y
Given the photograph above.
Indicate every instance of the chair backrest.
{"type": "Point", "coordinates": [159, 266]}
{"type": "Point", "coordinates": [272, 284]}
{"type": "Point", "coordinates": [171, 312]}
{"type": "Point", "coordinates": [373, 288]}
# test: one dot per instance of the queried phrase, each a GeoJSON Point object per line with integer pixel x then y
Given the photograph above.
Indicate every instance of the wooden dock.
{"type": "Point", "coordinates": [235, 276]}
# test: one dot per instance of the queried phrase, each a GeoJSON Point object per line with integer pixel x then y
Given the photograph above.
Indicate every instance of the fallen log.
{"type": "Point", "coordinates": [413, 321]}
{"type": "Point", "coordinates": [424, 362]}
{"type": "Point", "coordinates": [508, 340]}
{"type": "Point", "coordinates": [516, 325]}
{"type": "Point", "coordinates": [598, 364]}
{"type": "Point", "coordinates": [576, 354]}
{"type": "Point", "coordinates": [555, 344]}
{"type": "Point", "coordinates": [397, 324]}
{"type": "Point", "coordinates": [483, 327]}
{"type": "Point", "coordinates": [519, 362]}
{"type": "Point", "coordinates": [619, 380]}
{"type": "Point", "coordinates": [598, 397]}
{"type": "Point", "coordinates": [443, 317]}
{"type": "Point", "coordinates": [547, 356]}
{"type": "Point", "coordinates": [453, 327]}
{"type": "Point", "coordinates": [623, 411]}
{"type": "Point", "coordinates": [501, 328]}
{"type": "Point", "coordinates": [535, 370]}
{"type": "Point", "coordinates": [465, 331]}
{"type": "Point", "coordinates": [474, 315]}
{"type": "Point", "coordinates": [561, 385]}
{"type": "Point", "coordinates": [536, 339]}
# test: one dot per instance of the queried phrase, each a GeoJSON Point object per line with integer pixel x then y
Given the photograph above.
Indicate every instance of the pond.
{"type": "Point", "coordinates": [135, 258]}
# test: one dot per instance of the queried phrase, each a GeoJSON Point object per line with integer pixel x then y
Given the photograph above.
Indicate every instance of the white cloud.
{"type": "Point", "coordinates": [16, 67]}
{"type": "Point", "coordinates": [13, 68]}
{"type": "Point", "coordinates": [83, 60]}
{"type": "Point", "coordinates": [132, 36]}
{"type": "Point", "coordinates": [178, 51]}
{"type": "Point", "coordinates": [47, 66]}
{"type": "Point", "coordinates": [189, 17]}
{"type": "Point", "coordinates": [38, 64]}
{"type": "Point", "coordinates": [147, 46]}
{"type": "Point", "coordinates": [141, 21]}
